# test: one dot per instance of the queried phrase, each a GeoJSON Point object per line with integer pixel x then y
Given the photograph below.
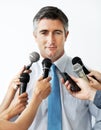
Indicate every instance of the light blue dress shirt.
{"type": "Point", "coordinates": [76, 114]}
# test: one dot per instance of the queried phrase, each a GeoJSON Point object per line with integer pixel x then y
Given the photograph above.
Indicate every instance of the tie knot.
{"type": "Point", "coordinates": [53, 68]}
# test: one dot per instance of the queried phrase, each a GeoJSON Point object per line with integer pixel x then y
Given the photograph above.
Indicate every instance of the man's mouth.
{"type": "Point", "coordinates": [51, 47]}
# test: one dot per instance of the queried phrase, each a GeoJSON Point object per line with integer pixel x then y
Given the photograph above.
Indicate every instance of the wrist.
{"type": "Point", "coordinates": [92, 94]}
{"type": "Point", "coordinates": [6, 115]}
{"type": "Point", "coordinates": [37, 97]}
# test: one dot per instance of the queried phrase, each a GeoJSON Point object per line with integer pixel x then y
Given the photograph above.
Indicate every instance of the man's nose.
{"type": "Point", "coordinates": [51, 39]}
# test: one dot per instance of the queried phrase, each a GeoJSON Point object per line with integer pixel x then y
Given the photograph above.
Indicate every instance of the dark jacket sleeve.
{"type": "Point", "coordinates": [97, 99]}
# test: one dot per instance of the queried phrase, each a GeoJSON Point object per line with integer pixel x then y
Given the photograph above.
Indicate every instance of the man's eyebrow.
{"type": "Point", "coordinates": [58, 30]}
{"type": "Point", "coordinates": [47, 30]}
{"type": "Point", "coordinates": [43, 30]}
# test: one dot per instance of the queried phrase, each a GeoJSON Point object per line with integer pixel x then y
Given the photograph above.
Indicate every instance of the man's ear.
{"type": "Point", "coordinates": [67, 34]}
{"type": "Point", "coordinates": [34, 34]}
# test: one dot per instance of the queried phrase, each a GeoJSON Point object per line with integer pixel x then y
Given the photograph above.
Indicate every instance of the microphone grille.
{"type": "Point", "coordinates": [34, 57]}
{"type": "Point", "coordinates": [77, 60]}
{"type": "Point", "coordinates": [46, 63]}
{"type": "Point", "coordinates": [77, 67]}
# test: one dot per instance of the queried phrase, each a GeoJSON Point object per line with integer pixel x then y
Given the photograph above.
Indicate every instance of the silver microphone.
{"type": "Point", "coordinates": [79, 71]}
{"type": "Point", "coordinates": [24, 77]}
{"type": "Point", "coordinates": [34, 57]}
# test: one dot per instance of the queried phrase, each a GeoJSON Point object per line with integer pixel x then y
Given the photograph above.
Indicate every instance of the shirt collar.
{"type": "Point", "coordinates": [60, 63]}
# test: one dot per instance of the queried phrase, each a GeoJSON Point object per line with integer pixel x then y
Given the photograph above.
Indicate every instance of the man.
{"type": "Point", "coordinates": [50, 33]}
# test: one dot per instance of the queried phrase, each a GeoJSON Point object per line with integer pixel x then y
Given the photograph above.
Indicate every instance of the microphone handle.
{"type": "Point", "coordinates": [74, 86]}
{"type": "Point", "coordinates": [23, 87]}
{"type": "Point", "coordinates": [45, 73]}
{"type": "Point", "coordinates": [28, 66]}
{"type": "Point", "coordinates": [86, 71]}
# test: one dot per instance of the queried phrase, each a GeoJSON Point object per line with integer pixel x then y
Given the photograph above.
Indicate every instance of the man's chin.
{"type": "Point", "coordinates": [51, 56]}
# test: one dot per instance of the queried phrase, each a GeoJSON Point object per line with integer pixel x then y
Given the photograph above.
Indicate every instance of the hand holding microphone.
{"type": "Point", "coordinates": [46, 63]}
{"type": "Point", "coordinates": [74, 87]}
{"type": "Point", "coordinates": [24, 77]}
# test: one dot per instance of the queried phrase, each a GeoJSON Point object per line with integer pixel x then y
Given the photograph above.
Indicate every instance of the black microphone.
{"type": "Point", "coordinates": [74, 87]}
{"type": "Point", "coordinates": [34, 57]}
{"type": "Point", "coordinates": [78, 60]}
{"type": "Point", "coordinates": [46, 64]}
{"type": "Point", "coordinates": [24, 79]}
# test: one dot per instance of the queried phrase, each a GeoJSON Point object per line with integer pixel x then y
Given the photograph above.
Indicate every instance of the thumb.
{"type": "Point", "coordinates": [90, 78]}
{"type": "Point", "coordinates": [40, 78]}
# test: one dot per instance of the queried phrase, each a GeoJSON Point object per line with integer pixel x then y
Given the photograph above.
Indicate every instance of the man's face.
{"type": "Point", "coordinates": [50, 37]}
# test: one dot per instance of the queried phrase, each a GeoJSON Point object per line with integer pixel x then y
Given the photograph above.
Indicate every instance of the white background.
{"type": "Point", "coordinates": [16, 39]}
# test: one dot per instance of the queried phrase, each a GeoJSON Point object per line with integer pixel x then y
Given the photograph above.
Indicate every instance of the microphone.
{"type": "Point", "coordinates": [74, 87]}
{"type": "Point", "coordinates": [78, 60]}
{"type": "Point", "coordinates": [79, 71]}
{"type": "Point", "coordinates": [46, 64]}
{"type": "Point", "coordinates": [24, 77]}
{"type": "Point", "coordinates": [34, 57]}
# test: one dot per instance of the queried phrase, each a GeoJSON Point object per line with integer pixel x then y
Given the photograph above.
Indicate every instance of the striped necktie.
{"type": "Point", "coordinates": [54, 103]}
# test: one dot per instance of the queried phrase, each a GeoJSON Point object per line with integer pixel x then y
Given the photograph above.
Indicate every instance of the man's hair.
{"type": "Point", "coordinates": [53, 13]}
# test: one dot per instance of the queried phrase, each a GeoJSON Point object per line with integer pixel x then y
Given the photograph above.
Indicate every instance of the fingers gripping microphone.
{"type": "Point", "coordinates": [46, 64]}
{"type": "Point", "coordinates": [24, 77]}
{"type": "Point", "coordinates": [34, 57]}
{"type": "Point", "coordinates": [74, 87]}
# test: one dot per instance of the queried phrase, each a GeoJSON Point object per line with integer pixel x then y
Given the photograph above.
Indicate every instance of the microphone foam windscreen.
{"type": "Point", "coordinates": [46, 63]}
{"type": "Point", "coordinates": [77, 60]}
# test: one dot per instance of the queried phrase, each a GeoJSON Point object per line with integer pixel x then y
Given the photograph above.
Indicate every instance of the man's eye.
{"type": "Point", "coordinates": [58, 32]}
{"type": "Point", "coordinates": [44, 32]}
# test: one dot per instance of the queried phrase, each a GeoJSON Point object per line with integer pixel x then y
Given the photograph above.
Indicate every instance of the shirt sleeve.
{"type": "Point", "coordinates": [97, 99]}
{"type": "Point", "coordinates": [96, 115]}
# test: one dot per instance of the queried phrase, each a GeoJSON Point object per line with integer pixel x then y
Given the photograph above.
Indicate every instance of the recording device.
{"type": "Point", "coordinates": [74, 87]}
{"type": "Point", "coordinates": [24, 77]}
{"type": "Point", "coordinates": [79, 71]}
{"type": "Point", "coordinates": [34, 57]}
{"type": "Point", "coordinates": [78, 60]}
{"type": "Point", "coordinates": [46, 64]}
